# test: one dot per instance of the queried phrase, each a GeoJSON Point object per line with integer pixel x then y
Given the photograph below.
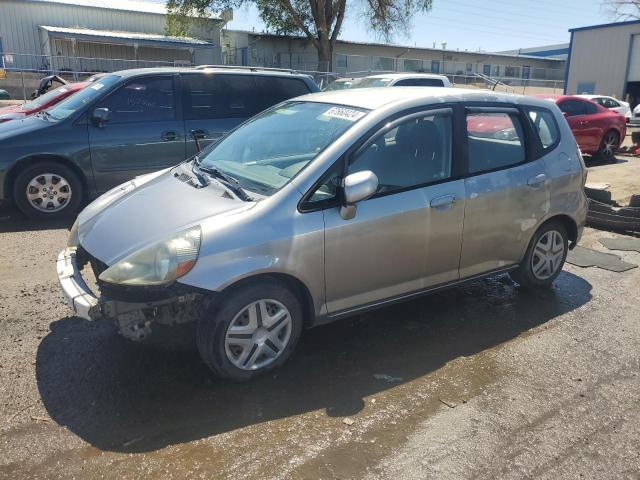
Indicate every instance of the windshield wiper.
{"type": "Point", "coordinates": [203, 181]}
{"type": "Point", "coordinates": [227, 180]}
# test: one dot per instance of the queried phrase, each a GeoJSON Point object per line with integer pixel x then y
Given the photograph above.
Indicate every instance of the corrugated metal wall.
{"type": "Point", "coordinates": [601, 56]}
{"type": "Point", "coordinates": [19, 22]}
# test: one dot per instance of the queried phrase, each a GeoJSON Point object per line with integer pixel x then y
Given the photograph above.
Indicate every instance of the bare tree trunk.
{"type": "Point", "coordinates": [324, 55]}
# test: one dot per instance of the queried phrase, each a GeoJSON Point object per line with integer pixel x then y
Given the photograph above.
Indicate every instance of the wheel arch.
{"type": "Point", "coordinates": [293, 283]}
{"type": "Point", "coordinates": [25, 162]}
{"type": "Point", "coordinates": [568, 223]}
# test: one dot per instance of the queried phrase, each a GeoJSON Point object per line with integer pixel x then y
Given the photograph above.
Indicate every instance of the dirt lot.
{"type": "Point", "coordinates": [484, 381]}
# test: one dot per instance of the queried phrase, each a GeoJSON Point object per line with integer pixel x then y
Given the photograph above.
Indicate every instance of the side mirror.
{"type": "Point", "coordinates": [565, 114]}
{"type": "Point", "coordinates": [100, 116]}
{"type": "Point", "coordinates": [357, 187]}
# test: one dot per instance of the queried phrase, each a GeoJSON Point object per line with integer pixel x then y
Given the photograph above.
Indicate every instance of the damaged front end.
{"type": "Point", "coordinates": [133, 309]}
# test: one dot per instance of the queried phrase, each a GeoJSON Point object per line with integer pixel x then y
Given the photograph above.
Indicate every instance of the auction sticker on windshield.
{"type": "Point", "coordinates": [344, 113]}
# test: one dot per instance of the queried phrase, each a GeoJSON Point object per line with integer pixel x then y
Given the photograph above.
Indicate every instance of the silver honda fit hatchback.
{"type": "Point", "coordinates": [325, 206]}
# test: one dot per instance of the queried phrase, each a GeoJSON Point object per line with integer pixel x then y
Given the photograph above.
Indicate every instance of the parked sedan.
{"type": "Point", "coordinates": [40, 103]}
{"type": "Point", "coordinates": [623, 108]}
{"type": "Point", "coordinates": [403, 80]}
{"type": "Point", "coordinates": [597, 130]}
{"type": "Point", "coordinates": [325, 206]}
{"type": "Point", "coordinates": [636, 115]}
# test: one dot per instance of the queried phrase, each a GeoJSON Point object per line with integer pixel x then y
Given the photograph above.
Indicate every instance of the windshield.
{"type": "Point", "coordinates": [46, 98]}
{"type": "Point", "coordinates": [75, 102]}
{"type": "Point", "coordinates": [371, 82]}
{"type": "Point", "coordinates": [266, 152]}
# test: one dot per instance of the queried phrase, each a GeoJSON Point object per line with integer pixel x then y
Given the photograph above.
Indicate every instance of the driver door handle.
{"type": "Point", "coordinates": [537, 180]}
{"type": "Point", "coordinates": [443, 201]}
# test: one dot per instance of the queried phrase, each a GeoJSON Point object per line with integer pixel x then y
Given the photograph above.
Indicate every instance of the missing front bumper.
{"type": "Point", "coordinates": [134, 319]}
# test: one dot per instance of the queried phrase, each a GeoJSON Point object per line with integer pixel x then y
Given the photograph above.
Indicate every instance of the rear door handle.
{"type": "Point", "coordinates": [584, 122]}
{"type": "Point", "coordinates": [170, 136]}
{"type": "Point", "coordinates": [537, 180]}
{"type": "Point", "coordinates": [199, 134]}
{"type": "Point", "coordinates": [443, 201]}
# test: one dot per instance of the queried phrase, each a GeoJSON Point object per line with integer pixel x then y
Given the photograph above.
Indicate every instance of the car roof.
{"type": "Point", "coordinates": [406, 75]}
{"type": "Point", "coordinates": [134, 72]}
{"type": "Point", "coordinates": [374, 98]}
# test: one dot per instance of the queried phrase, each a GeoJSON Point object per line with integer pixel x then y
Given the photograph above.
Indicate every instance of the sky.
{"type": "Point", "coordinates": [472, 25]}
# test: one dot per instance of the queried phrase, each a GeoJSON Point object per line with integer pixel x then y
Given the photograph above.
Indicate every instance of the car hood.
{"type": "Point", "coordinates": [149, 209]}
{"type": "Point", "coordinates": [22, 126]}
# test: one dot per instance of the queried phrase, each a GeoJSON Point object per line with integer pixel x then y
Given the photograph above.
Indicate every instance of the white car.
{"type": "Point", "coordinates": [623, 108]}
{"type": "Point", "coordinates": [636, 114]}
{"type": "Point", "coordinates": [403, 80]}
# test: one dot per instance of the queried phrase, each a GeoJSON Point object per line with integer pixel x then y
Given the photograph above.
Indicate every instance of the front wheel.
{"type": "Point", "coordinates": [47, 190]}
{"type": "Point", "coordinates": [250, 330]}
{"type": "Point", "coordinates": [544, 258]}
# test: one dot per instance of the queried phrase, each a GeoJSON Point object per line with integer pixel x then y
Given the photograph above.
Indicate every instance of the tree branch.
{"type": "Point", "coordinates": [342, 5]}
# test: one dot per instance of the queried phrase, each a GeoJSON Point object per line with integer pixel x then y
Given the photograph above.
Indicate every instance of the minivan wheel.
{"type": "Point", "coordinates": [609, 145]}
{"type": "Point", "coordinates": [250, 330]}
{"type": "Point", "coordinates": [544, 258]}
{"type": "Point", "coordinates": [47, 190]}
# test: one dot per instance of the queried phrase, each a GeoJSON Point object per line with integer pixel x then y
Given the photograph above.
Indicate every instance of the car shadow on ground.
{"type": "Point", "coordinates": [591, 162]}
{"type": "Point", "coordinates": [127, 397]}
{"type": "Point", "coordinates": [13, 220]}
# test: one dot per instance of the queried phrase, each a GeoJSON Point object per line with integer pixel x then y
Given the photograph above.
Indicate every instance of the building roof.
{"type": "Point", "coordinates": [605, 25]}
{"type": "Point", "coordinates": [97, 35]}
{"type": "Point", "coordinates": [406, 47]}
{"type": "Point", "coordinates": [125, 5]}
{"type": "Point", "coordinates": [373, 98]}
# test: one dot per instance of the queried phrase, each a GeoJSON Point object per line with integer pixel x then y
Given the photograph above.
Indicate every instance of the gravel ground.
{"type": "Point", "coordinates": [484, 381]}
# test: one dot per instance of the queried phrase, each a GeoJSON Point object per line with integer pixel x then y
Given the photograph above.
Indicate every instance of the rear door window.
{"type": "Point", "coordinates": [213, 96]}
{"type": "Point", "coordinates": [495, 141]}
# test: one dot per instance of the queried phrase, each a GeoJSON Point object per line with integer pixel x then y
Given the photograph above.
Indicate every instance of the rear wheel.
{"type": "Point", "coordinates": [545, 256]}
{"type": "Point", "coordinates": [250, 330]}
{"type": "Point", "coordinates": [609, 145]}
{"type": "Point", "coordinates": [47, 190]}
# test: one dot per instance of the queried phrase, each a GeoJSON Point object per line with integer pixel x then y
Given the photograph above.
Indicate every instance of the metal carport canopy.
{"type": "Point", "coordinates": [118, 37]}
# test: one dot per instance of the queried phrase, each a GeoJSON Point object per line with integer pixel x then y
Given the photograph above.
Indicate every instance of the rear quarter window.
{"type": "Point", "coordinates": [273, 90]}
{"type": "Point", "coordinates": [545, 126]}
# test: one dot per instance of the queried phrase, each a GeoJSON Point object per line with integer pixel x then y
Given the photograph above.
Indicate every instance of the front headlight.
{"type": "Point", "coordinates": [158, 264]}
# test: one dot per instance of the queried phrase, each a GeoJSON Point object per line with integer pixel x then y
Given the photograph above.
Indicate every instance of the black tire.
{"type": "Point", "coordinates": [69, 209]}
{"type": "Point", "coordinates": [605, 153]}
{"type": "Point", "coordinates": [212, 327]}
{"type": "Point", "coordinates": [524, 274]}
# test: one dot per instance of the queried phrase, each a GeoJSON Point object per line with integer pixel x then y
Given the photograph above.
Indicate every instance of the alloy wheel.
{"type": "Point", "coordinates": [258, 334]}
{"type": "Point", "coordinates": [610, 144]}
{"type": "Point", "coordinates": [548, 255]}
{"type": "Point", "coordinates": [48, 192]}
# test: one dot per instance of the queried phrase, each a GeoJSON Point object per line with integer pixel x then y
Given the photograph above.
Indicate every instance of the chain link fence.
{"type": "Point", "coordinates": [22, 72]}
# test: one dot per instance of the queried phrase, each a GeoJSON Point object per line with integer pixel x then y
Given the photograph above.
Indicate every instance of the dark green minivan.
{"type": "Point", "coordinates": [126, 124]}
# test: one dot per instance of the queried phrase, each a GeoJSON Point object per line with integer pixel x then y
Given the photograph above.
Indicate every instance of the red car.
{"type": "Point", "coordinates": [40, 103]}
{"type": "Point", "coordinates": [598, 130]}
